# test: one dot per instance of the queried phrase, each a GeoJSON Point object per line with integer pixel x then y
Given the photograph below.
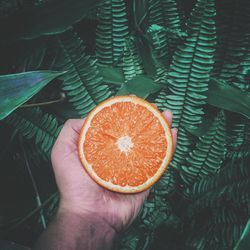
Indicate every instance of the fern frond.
{"type": "Point", "coordinates": [34, 124]}
{"type": "Point", "coordinates": [239, 139]}
{"type": "Point", "coordinates": [189, 74]}
{"type": "Point", "coordinates": [208, 154]}
{"type": "Point", "coordinates": [82, 83]}
{"type": "Point", "coordinates": [233, 37]}
{"type": "Point", "coordinates": [154, 212]}
{"type": "Point", "coordinates": [111, 32]}
{"type": "Point", "coordinates": [160, 100]}
{"type": "Point", "coordinates": [136, 238]}
{"type": "Point", "coordinates": [229, 185]}
{"type": "Point", "coordinates": [165, 14]}
{"type": "Point", "coordinates": [131, 62]}
{"type": "Point", "coordinates": [165, 185]}
{"type": "Point", "coordinates": [221, 230]}
{"type": "Point", "coordinates": [191, 67]}
{"type": "Point", "coordinates": [242, 78]}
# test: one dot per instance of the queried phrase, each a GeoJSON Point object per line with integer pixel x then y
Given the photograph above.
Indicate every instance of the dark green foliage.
{"type": "Point", "coordinates": [131, 62]}
{"type": "Point", "coordinates": [230, 98]}
{"type": "Point", "coordinates": [192, 57]}
{"type": "Point", "coordinates": [112, 32]}
{"type": "Point", "coordinates": [207, 156]}
{"type": "Point", "coordinates": [233, 38]}
{"type": "Point", "coordinates": [223, 223]}
{"type": "Point", "coordinates": [244, 242]}
{"type": "Point", "coordinates": [187, 81]}
{"type": "Point", "coordinates": [82, 82]}
{"type": "Point", "coordinates": [15, 89]}
{"type": "Point", "coordinates": [231, 184]}
{"type": "Point", "coordinates": [50, 18]}
{"type": "Point", "coordinates": [141, 86]}
{"type": "Point", "coordinates": [32, 123]}
{"type": "Point", "coordinates": [165, 14]}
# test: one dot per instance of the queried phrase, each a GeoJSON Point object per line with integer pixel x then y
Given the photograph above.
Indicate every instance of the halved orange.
{"type": "Point", "coordinates": [125, 144]}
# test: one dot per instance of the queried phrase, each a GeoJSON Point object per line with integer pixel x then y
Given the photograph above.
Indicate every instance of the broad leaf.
{"type": "Point", "coordinates": [224, 96]}
{"type": "Point", "coordinates": [149, 61]}
{"type": "Point", "coordinates": [141, 86]}
{"type": "Point", "coordinates": [49, 18]}
{"type": "Point", "coordinates": [112, 75]}
{"type": "Point", "coordinates": [15, 89]}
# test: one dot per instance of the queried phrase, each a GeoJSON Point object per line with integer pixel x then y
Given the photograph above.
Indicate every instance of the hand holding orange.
{"type": "Point", "coordinates": [82, 196]}
{"type": "Point", "coordinates": [125, 144]}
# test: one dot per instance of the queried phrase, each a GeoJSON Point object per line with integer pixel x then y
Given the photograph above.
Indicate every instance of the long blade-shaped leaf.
{"type": "Point", "coordinates": [52, 17]}
{"type": "Point", "coordinates": [15, 89]}
{"type": "Point", "coordinates": [224, 96]}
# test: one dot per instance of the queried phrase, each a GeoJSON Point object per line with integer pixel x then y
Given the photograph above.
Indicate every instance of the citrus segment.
{"type": "Point", "coordinates": [125, 144]}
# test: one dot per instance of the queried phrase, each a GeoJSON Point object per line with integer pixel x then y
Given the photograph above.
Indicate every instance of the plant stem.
{"type": "Point", "coordinates": [33, 212]}
{"type": "Point", "coordinates": [61, 99]}
{"type": "Point", "coordinates": [38, 200]}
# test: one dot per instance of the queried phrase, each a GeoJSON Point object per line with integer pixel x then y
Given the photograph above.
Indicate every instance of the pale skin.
{"type": "Point", "coordinates": [89, 216]}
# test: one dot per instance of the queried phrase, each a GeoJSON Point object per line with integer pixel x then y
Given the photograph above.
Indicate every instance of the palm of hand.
{"type": "Point", "coordinates": [80, 194]}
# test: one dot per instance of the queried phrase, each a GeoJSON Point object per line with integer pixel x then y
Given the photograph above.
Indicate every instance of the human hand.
{"type": "Point", "coordinates": [80, 195]}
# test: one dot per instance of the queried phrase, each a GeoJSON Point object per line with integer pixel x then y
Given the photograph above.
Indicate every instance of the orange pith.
{"type": "Point", "coordinates": [125, 144]}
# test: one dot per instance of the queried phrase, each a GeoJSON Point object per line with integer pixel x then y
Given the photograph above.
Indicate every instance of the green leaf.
{"type": "Point", "coordinates": [206, 158]}
{"type": "Point", "coordinates": [15, 89]}
{"type": "Point", "coordinates": [112, 75]}
{"type": "Point", "coordinates": [224, 96]}
{"type": "Point", "coordinates": [164, 15]}
{"type": "Point", "coordinates": [244, 242]}
{"type": "Point", "coordinates": [189, 74]}
{"type": "Point", "coordinates": [33, 123]}
{"type": "Point", "coordinates": [82, 83]}
{"type": "Point", "coordinates": [111, 32]}
{"type": "Point", "coordinates": [148, 59]}
{"type": "Point", "coordinates": [141, 86]}
{"type": "Point", "coordinates": [49, 18]}
{"type": "Point", "coordinates": [131, 61]}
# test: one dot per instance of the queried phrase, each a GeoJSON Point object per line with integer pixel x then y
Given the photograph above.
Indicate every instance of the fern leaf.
{"type": "Point", "coordinates": [220, 230]}
{"type": "Point", "coordinates": [165, 185]}
{"type": "Point", "coordinates": [229, 185]}
{"type": "Point", "coordinates": [208, 154]}
{"type": "Point", "coordinates": [33, 124]}
{"type": "Point", "coordinates": [131, 62]}
{"type": "Point", "coordinates": [82, 83]}
{"type": "Point", "coordinates": [189, 74]}
{"type": "Point", "coordinates": [165, 14]}
{"type": "Point", "coordinates": [111, 32]}
{"type": "Point", "coordinates": [242, 77]}
{"type": "Point", "coordinates": [192, 64]}
{"type": "Point", "coordinates": [233, 30]}
{"type": "Point", "coordinates": [239, 139]}
{"type": "Point", "coordinates": [154, 213]}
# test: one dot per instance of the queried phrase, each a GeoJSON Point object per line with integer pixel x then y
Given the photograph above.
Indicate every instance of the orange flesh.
{"type": "Point", "coordinates": [146, 148]}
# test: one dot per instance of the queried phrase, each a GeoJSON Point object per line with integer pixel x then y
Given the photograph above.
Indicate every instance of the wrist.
{"type": "Point", "coordinates": [98, 228]}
